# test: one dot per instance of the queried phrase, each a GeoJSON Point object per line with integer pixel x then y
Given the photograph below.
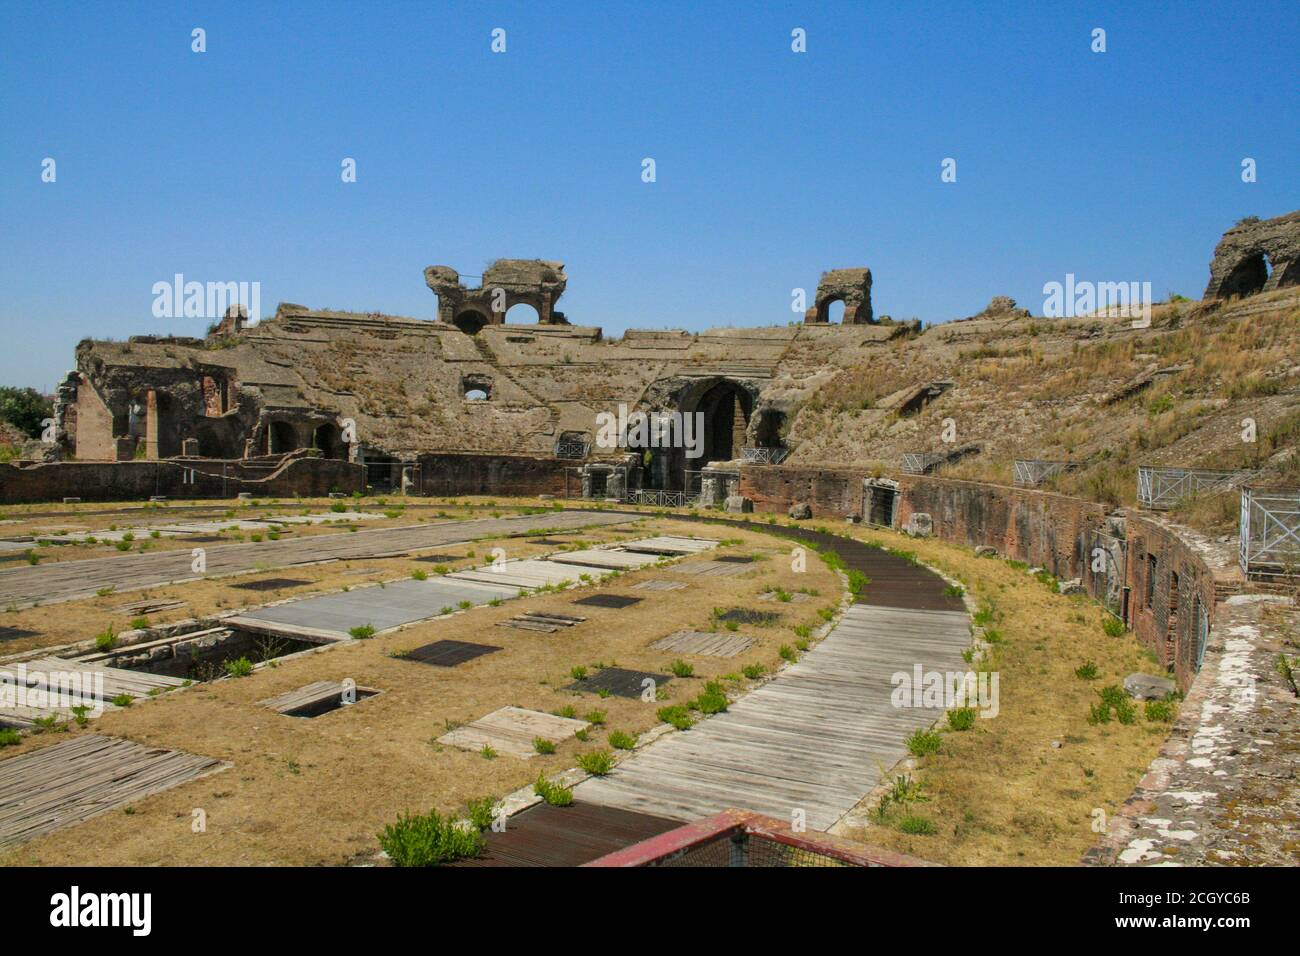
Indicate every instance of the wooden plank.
{"type": "Point", "coordinates": [813, 738]}
{"type": "Point", "coordinates": [703, 643]}
{"type": "Point", "coordinates": [81, 778]}
{"type": "Point", "coordinates": [511, 731]}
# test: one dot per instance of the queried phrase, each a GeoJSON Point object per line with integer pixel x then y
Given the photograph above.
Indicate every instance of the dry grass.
{"type": "Point", "coordinates": [317, 791]}
{"type": "Point", "coordinates": [1000, 793]}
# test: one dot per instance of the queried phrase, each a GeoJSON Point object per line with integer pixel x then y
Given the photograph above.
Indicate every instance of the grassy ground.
{"type": "Point", "coordinates": [317, 791]}
{"type": "Point", "coordinates": [1023, 788]}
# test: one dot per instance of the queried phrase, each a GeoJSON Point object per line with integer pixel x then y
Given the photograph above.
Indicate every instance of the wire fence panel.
{"type": "Point", "coordinates": [1032, 472]}
{"type": "Point", "coordinates": [1270, 533]}
{"type": "Point", "coordinates": [1161, 488]}
{"type": "Point", "coordinates": [921, 463]}
{"type": "Point", "coordinates": [764, 456]}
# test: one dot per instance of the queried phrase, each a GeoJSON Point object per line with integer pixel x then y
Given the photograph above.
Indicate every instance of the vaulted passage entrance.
{"type": "Point", "coordinates": [726, 408]}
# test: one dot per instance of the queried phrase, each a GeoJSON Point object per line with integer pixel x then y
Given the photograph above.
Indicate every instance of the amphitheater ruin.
{"type": "Point", "coordinates": [330, 547]}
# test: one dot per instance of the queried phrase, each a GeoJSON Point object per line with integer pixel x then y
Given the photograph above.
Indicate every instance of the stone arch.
{"type": "Point", "coordinates": [769, 423]}
{"type": "Point", "coordinates": [523, 312]}
{"type": "Point", "coordinates": [726, 408]}
{"type": "Point", "coordinates": [850, 286]}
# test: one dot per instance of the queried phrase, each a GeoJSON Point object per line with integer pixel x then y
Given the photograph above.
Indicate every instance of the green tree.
{"type": "Point", "coordinates": [24, 408]}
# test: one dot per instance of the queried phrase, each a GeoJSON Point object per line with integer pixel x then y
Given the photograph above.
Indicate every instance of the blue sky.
{"type": "Point", "coordinates": [772, 166]}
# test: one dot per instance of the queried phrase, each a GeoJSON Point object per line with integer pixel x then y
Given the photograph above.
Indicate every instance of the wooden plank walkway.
{"type": "Point", "coordinates": [814, 738]}
{"type": "Point", "coordinates": [72, 580]}
{"type": "Point", "coordinates": [89, 680]}
{"type": "Point", "coordinates": [704, 643]}
{"type": "Point", "coordinates": [90, 774]}
{"type": "Point", "coordinates": [511, 730]}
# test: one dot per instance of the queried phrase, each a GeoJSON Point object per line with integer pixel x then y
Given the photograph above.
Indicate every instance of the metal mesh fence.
{"type": "Point", "coordinates": [745, 849]}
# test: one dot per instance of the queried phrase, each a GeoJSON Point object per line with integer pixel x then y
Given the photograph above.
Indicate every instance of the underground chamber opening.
{"type": "Point", "coordinates": [202, 656]}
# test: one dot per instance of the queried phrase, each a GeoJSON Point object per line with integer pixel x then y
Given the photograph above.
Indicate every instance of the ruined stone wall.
{"type": "Point", "coordinates": [1163, 610]}
{"type": "Point", "coordinates": [93, 435]}
{"type": "Point", "coordinates": [469, 474]}
{"type": "Point", "coordinates": [138, 480]}
{"type": "Point", "coordinates": [1042, 529]}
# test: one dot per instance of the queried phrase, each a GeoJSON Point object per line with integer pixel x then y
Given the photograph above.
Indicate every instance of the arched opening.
{"type": "Point", "coordinates": [767, 430]}
{"type": "Point", "coordinates": [1247, 277]}
{"type": "Point", "coordinates": [169, 438]}
{"type": "Point", "coordinates": [1288, 273]}
{"type": "Point", "coordinates": [328, 439]}
{"type": "Point", "coordinates": [476, 395]}
{"type": "Point", "coordinates": [210, 445]}
{"type": "Point", "coordinates": [476, 388]}
{"type": "Point", "coordinates": [833, 311]}
{"type": "Point", "coordinates": [522, 313]}
{"type": "Point", "coordinates": [471, 322]}
{"type": "Point", "coordinates": [280, 438]}
{"type": "Point", "coordinates": [726, 408]}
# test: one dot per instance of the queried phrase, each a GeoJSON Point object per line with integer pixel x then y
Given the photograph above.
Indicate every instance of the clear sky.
{"type": "Point", "coordinates": [771, 165]}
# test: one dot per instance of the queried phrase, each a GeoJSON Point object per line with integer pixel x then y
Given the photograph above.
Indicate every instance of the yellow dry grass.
{"type": "Point", "coordinates": [316, 791]}
{"type": "Point", "coordinates": [1001, 793]}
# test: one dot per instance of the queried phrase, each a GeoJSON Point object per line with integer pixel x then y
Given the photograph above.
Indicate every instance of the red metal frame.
{"type": "Point", "coordinates": [728, 822]}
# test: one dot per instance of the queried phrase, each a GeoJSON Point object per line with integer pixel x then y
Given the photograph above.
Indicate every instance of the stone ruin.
{"type": "Point", "coordinates": [1256, 255]}
{"type": "Point", "coordinates": [850, 286]}
{"type": "Point", "coordinates": [505, 283]}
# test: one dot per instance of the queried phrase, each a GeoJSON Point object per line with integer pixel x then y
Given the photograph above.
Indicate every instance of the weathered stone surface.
{"type": "Point", "coordinates": [1002, 307]}
{"type": "Point", "coordinates": [850, 286]}
{"type": "Point", "coordinates": [1073, 586]}
{"type": "Point", "coordinates": [738, 504]}
{"type": "Point", "coordinates": [1247, 250]}
{"type": "Point", "coordinates": [919, 525]}
{"type": "Point", "coordinates": [1148, 686]}
{"type": "Point", "coordinates": [984, 551]}
{"type": "Point", "coordinates": [800, 511]}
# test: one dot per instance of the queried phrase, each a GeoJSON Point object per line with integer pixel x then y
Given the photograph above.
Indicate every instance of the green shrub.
{"type": "Point", "coordinates": [543, 746]}
{"type": "Point", "coordinates": [578, 672]}
{"type": "Point", "coordinates": [787, 653]}
{"type": "Point", "coordinates": [106, 640]}
{"type": "Point", "coordinates": [596, 717]}
{"type": "Point", "coordinates": [10, 737]}
{"type": "Point", "coordinates": [681, 669]}
{"type": "Point", "coordinates": [419, 574]}
{"type": "Point", "coordinates": [1099, 714]}
{"type": "Point", "coordinates": [597, 763]}
{"type": "Point", "coordinates": [753, 671]}
{"type": "Point", "coordinates": [1113, 626]}
{"type": "Point", "coordinates": [139, 623]}
{"type": "Point", "coordinates": [429, 840]}
{"type": "Point", "coordinates": [677, 715]}
{"type": "Point", "coordinates": [552, 793]}
{"type": "Point", "coordinates": [963, 718]}
{"type": "Point", "coordinates": [622, 741]}
{"type": "Point", "coordinates": [1086, 671]}
{"type": "Point", "coordinates": [239, 667]}
{"type": "Point", "coordinates": [916, 826]}
{"type": "Point", "coordinates": [362, 632]}
{"type": "Point", "coordinates": [712, 701]}
{"type": "Point", "coordinates": [1160, 710]}
{"type": "Point", "coordinates": [481, 812]}
{"type": "Point", "coordinates": [923, 742]}
{"type": "Point", "coordinates": [954, 591]}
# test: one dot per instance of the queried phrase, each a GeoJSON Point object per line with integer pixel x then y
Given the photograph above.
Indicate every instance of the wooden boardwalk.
{"type": "Point", "coordinates": [815, 738]}
{"type": "Point", "coordinates": [72, 580]}
{"type": "Point", "coordinates": [88, 775]}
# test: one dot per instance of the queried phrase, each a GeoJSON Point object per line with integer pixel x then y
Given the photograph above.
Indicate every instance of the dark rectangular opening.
{"type": "Point", "coordinates": [1151, 580]}
{"type": "Point", "coordinates": [327, 704]}
{"type": "Point", "coordinates": [880, 506]}
{"type": "Point", "coordinates": [270, 584]}
{"type": "Point", "coordinates": [736, 558]}
{"type": "Point", "coordinates": [619, 682]}
{"type": "Point", "coordinates": [439, 558]}
{"type": "Point", "coordinates": [742, 615]}
{"type": "Point", "coordinates": [609, 600]}
{"type": "Point", "coordinates": [448, 653]}
{"type": "Point", "coordinates": [13, 633]}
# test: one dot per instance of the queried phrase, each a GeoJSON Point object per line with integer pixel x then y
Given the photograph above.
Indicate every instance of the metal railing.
{"type": "Point", "coordinates": [1161, 488]}
{"type": "Point", "coordinates": [660, 498]}
{"type": "Point", "coordinates": [765, 456]}
{"type": "Point", "coordinates": [1032, 472]}
{"type": "Point", "coordinates": [1270, 533]}
{"type": "Point", "coordinates": [572, 449]}
{"type": "Point", "coordinates": [922, 463]}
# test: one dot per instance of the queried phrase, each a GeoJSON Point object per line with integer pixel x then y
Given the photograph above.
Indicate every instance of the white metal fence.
{"type": "Point", "coordinates": [1032, 472]}
{"type": "Point", "coordinates": [1270, 533]}
{"type": "Point", "coordinates": [1160, 488]}
{"type": "Point", "coordinates": [765, 456]}
{"type": "Point", "coordinates": [921, 463]}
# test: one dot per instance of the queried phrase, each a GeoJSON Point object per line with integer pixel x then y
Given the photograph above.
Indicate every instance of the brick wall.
{"type": "Point", "coordinates": [1042, 529]}
{"type": "Point", "coordinates": [139, 480]}
{"type": "Point", "coordinates": [470, 474]}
